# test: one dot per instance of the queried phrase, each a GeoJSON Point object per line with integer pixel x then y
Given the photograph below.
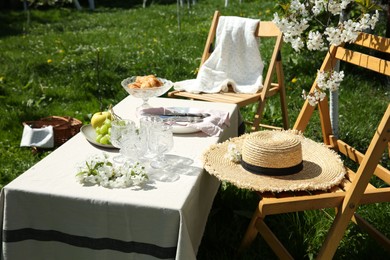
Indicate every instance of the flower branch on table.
{"type": "Point", "coordinates": [100, 170]}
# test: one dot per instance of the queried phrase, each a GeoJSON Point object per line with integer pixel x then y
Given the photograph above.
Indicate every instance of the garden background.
{"type": "Point", "coordinates": [57, 60]}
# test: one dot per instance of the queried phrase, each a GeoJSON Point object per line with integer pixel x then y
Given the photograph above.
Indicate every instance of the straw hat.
{"type": "Point", "coordinates": [274, 161]}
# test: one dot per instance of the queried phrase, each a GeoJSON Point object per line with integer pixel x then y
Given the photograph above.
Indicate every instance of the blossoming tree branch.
{"type": "Point", "coordinates": [317, 24]}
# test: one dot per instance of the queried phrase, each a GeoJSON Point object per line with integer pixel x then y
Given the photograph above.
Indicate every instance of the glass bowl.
{"type": "Point", "coordinates": [146, 93]}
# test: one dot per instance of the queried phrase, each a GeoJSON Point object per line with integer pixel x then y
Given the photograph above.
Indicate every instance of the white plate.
{"type": "Point", "coordinates": [90, 134]}
{"type": "Point", "coordinates": [178, 129]}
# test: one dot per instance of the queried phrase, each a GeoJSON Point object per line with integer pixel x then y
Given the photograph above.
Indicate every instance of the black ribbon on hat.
{"type": "Point", "coordinates": [272, 171]}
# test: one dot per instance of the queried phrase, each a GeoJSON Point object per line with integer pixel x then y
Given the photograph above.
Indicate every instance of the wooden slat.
{"type": "Point", "coordinates": [352, 176]}
{"type": "Point", "coordinates": [374, 42]}
{"type": "Point", "coordinates": [270, 206]}
{"type": "Point", "coordinates": [228, 97]}
{"type": "Point", "coordinates": [364, 60]}
{"type": "Point", "coordinates": [210, 38]}
{"type": "Point", "coordinates": [267, 29]}
{"type": "Point", "coordinates": [353, 154]}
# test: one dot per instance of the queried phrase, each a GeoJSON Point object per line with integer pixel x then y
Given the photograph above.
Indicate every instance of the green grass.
{"type": "Point", "coordinates": [65, 62]}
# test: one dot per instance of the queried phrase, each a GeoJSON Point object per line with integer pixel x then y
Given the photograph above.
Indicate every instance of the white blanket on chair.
{"type": "Point", "coordinates": [236, 60]}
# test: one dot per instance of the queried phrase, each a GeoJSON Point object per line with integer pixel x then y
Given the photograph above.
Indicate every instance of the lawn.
{"type": "Point", "coordinates": [60, 61]}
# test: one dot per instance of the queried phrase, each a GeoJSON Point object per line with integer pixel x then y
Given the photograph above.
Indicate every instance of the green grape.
{"type": "Point", "coordinates": [107, 122]}
{"type": "Point", "coordinates": [97, 130]}
{"type": "Point", "coordinates": [99, 138]}
{"type": "Point", "coordinates": [105, 139]}
{"type": "Point", "coordinates": [104, 129]}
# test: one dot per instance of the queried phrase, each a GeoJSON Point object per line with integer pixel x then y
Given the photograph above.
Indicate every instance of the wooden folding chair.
{"type": "Point", "coordinates": [266, 29]}
{"type": "Point", "coordinates": [355, 189]}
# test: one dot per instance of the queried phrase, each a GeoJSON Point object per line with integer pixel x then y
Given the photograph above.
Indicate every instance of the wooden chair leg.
{"type": "Point", "coordinates": [258, 115]}
{"type": "Point", "coordinates": [257, 225]}
{"type": "Point", "coordinates": [272, 240]}
{"type": "Point", "coordinates": [355, 192]}
{"type": "Point", "coordinates": [250, 233]}
{"type": "Point", "coordinates": [372, 231]}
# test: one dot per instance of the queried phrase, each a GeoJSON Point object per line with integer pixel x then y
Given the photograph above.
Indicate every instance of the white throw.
{"type": "Point", "coordinates": [236, 60]}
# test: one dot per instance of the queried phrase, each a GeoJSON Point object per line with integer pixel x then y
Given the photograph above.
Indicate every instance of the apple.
{"type": "Point", "coordinates": [98, 118]}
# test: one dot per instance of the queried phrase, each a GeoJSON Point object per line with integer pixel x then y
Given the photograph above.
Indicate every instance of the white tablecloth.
{"type": "Point", "coordinates": [46, 214]}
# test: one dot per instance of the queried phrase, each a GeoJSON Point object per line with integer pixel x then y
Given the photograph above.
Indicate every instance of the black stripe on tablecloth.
{"type": "Point", "coordinates": [88, 242]}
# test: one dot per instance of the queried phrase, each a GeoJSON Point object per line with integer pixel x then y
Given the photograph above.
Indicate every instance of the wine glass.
{"type": "Point", "coordinates": [119, 130]}
{"type": "Point", "coordinates": [146, 93]}
{"type": "Point", "coordinates": [160, 142]}
{"type": "Point", "coordinates": [146, 124]}
{"type": "Point", "coordinates": [134, 145]}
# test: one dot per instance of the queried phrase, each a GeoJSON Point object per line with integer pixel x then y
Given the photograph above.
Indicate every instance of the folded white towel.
{"type": "Point", "coordinates": [236, 60]}
{"type": "Point", "coordinates": [211, 125]}
{"type": "Point", "coordinates": [37, 137]}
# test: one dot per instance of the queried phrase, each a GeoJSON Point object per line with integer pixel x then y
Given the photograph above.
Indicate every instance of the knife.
{"type": "Point", "coordinates": [179, 114]}
{"type": "Point", "coordinates": [190, 119]}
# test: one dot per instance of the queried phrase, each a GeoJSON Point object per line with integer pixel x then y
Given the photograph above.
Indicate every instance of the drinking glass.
{"type": "Point", "coordinates": [160, 142]}
{"type": "Point", "coordinates": [119, 130]}
{"type": "Point", "coordinates": [134, 145]}
{"type": "Point", "coordinates": [146, 124]}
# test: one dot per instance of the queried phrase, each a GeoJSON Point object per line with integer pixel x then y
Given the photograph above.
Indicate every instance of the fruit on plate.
{"type": "Point", "coordinates": [103, 132]}
{"type": "Point", "coordinates": [101, 122]}
{"type": "Point", "coordinates": [98, 118]}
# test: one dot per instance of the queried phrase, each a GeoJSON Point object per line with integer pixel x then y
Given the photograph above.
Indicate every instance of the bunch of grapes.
{"type": "Point", "coordinates": [103, 132]}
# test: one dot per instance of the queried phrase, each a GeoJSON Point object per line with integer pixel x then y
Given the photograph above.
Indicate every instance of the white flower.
{"type": "Point", "coordinates": [315, 97]}
{"type": "Point", "coordinates": [331, 81]}
{"type": "Point", "coordinates": [345, 3]}
{"type": "Point", "coordinates": [334, 35]}
{"type": "Point", "coordinates": [368, 21]}
{"type": "Point", "coordinates": [302, 14]}
{"type": "Point", "coordinates": [318, 7]}
{"type": "Point", "coordinates": [350, 31]}
{"type": "Point", "coordinates": [315, 41]}
{"type": "Point", "coordinates": [100, 170]}
{"type": "Point", "coordinates": [298, 7]}
{"type": "Point", "coordinates": [334, 7]}
{"type": "Point", "coordinates": [233, 154]}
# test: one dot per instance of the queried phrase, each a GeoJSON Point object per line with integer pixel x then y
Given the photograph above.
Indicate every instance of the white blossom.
{"type": "Point", "coordinates": [329, 80]}
{"type": "Point", "coordinates": [333, 35]}
{"type": "Point", "coordinates": [315, 41]}
{"type": "Point", "coordinates": [296, 31]}
{"type": "Point", "coordinates": [298, 7]}
{"type": "Point", "coordinates": [334, 7]}
{"type": "Point", "coordinates": [233, 154]}
{"type": "Point", "coordinates": [315, 97]}
{"type": "Point", "coordinates": [350, 31]}
{"type": "Point", "coordinates": [318, 7]}
{"type": "Point", "coordinates": [368, 21]}
{"type": "Point", "coordinates": [101, 171]}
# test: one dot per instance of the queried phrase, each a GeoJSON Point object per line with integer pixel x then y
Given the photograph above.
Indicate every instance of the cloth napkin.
{"type": "Point", "coordinates": [236, 60]}
{"type": "Point", "coordinates": [211, 125]}
{"type": "Point", "coordinates": [37, 137]}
